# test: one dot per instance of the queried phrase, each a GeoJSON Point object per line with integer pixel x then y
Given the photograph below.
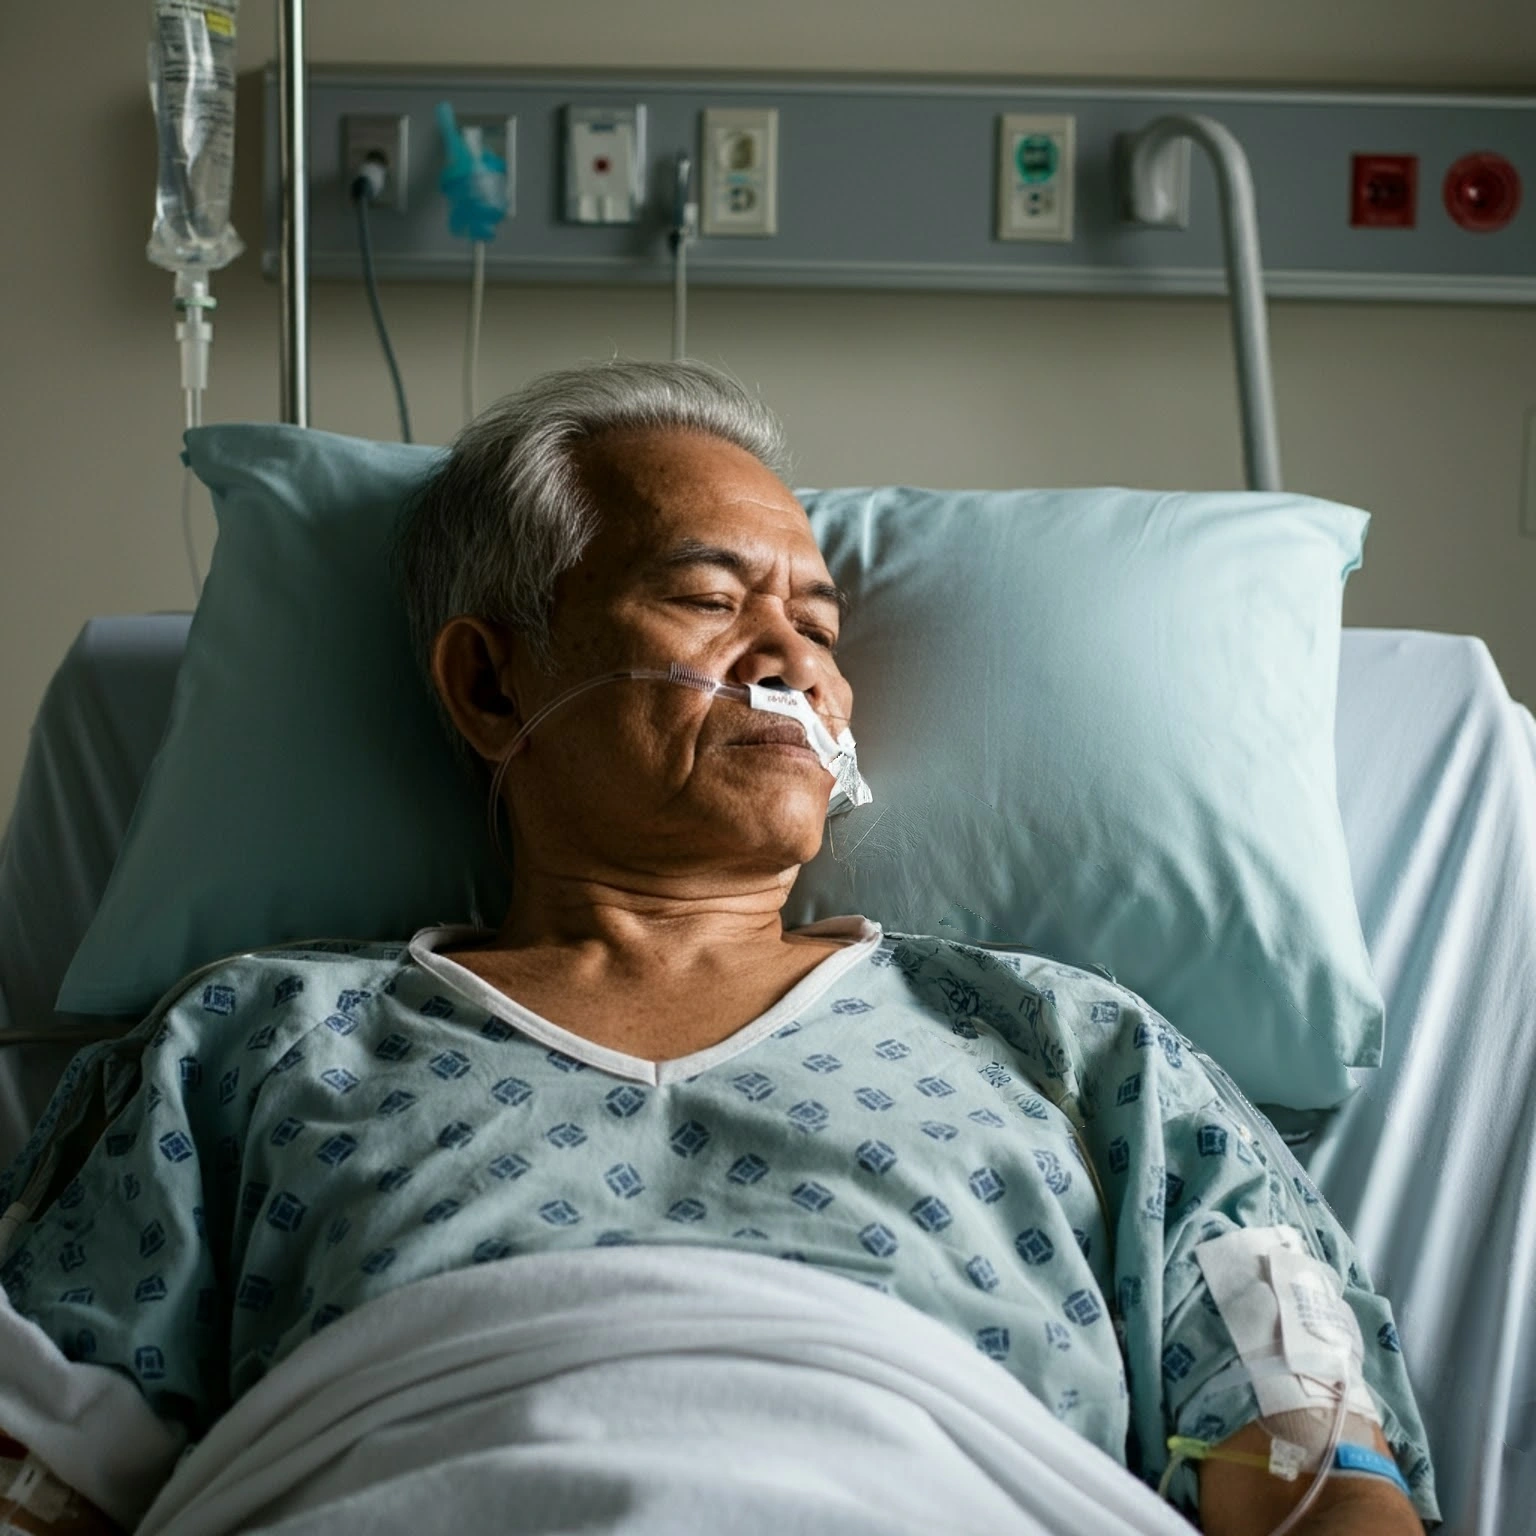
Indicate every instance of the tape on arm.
{"type": "Point", "coordinates": [33, 1502]}
{"type": "Point", "coordinates": [1295, 1333]}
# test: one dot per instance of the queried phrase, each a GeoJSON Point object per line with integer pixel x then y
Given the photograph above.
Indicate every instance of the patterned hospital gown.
{"type": "Point", "coordinates": [304, 1129]}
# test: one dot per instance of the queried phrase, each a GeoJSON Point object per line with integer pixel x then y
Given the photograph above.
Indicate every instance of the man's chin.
{"type": "Point", "coordinates": [786, 858]}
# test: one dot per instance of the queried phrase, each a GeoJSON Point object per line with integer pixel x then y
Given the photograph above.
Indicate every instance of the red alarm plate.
{"type": "Point", "coordinates": [1384, 191]}
{"type": "Point", "coordinates": [1482, 192]}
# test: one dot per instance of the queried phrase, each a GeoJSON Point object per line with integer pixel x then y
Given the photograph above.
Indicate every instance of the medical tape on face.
{"type": "Point", "coordinates": [837, 754]}
{"type": "Point", "coordinates": [1279, 1303]}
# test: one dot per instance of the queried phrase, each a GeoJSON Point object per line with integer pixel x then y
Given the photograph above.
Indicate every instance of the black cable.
{"type": "Point", "coordinates": [361, 197]}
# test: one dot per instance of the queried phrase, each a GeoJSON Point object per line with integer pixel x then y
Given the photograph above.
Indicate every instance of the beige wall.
{"type": "Point", "coordinates": [1413, 412]}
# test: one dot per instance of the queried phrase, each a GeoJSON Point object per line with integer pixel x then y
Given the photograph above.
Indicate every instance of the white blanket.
{"type": "Point", "coordinates": [646, 1390]}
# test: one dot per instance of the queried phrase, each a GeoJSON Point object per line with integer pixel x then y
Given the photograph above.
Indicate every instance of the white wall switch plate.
{"type": "Point", "coordinates": [740, 157]}
{"type": "Point", "coordinates": [604, 164]}
{"type": "Point", "coordinates": [1036, 170]}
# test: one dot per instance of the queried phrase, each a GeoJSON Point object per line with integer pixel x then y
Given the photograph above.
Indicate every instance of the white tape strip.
{"type": "Point", "coordinates": [838, 755]}
{"type": "Point", "coordinates": [1282, 1306]}
{"type": "Point", "coordinates": [34, 1489]}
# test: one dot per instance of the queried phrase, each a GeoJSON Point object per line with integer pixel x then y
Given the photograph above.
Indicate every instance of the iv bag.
{"type": "Point", "coordinates": [192, 89]}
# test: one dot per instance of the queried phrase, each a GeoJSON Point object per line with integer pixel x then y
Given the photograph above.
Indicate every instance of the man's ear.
{"type": "Point", "coordinates": [472, 668]}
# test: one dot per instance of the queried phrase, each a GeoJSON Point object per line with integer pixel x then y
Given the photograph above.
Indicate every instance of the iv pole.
{"type": "Point", "coordinates": [293, 171]}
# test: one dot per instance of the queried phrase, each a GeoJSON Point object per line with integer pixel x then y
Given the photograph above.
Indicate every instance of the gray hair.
{"type": "Point", "coordinates": [506, 513]}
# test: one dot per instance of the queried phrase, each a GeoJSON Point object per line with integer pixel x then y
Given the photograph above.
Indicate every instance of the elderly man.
{"type": "Point", "coordinates": [641, 1057]}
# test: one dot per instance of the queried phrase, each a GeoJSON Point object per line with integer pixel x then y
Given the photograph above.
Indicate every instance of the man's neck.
{"type": "Point", "coordinates": [609, 933]}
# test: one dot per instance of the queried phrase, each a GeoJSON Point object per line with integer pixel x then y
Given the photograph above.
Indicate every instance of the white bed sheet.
{"type": "Point", "coordinates": [1432, 1164]}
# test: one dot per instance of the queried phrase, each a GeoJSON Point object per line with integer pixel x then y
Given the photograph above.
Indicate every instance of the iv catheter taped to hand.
{"type": "Point", "coordinates": [1286, 1459]}
{"type": "Point", "coordinates": [1347, 1446]}
{"type": "Point", "coordinates": [837, 754]}
{"type": "Point", "coordinates": [1301, 1352]}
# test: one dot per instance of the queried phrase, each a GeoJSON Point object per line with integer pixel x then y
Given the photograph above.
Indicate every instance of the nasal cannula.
{"type": "Point", "coordinates": [837, 754]}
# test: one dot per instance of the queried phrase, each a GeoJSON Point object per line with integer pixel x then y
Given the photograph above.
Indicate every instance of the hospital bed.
{"type": "Point", "coordinates": [1431, 1164]}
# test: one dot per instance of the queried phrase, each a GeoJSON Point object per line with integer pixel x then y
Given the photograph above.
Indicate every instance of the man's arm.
{"type": "Point", "coordinates": [1240, 1500]}
{"type": "Point", "coordinates": [33, 1500]}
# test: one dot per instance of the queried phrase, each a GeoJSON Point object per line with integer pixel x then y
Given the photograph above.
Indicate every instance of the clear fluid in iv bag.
{"type": "Point", "coordinates": [192, 90]}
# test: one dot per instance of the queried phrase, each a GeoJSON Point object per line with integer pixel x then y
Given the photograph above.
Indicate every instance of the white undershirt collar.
{"type": "Point", "coordinates": [858, 933]}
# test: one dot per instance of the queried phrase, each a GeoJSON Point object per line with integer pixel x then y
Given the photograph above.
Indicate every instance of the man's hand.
{"type": "Point", "coordinates": [1237, 1500]}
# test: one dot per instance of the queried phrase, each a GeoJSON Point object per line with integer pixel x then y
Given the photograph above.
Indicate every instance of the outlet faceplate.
{"type": "Point", "coordinates": [740, 157]}
{"type": "Point", "coordinates": [1036, 167]}
{"type": "Point", "coordinates": [388, 137]}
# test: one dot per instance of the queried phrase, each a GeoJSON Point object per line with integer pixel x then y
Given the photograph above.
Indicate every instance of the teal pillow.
{"type": "Point", "coordinates": [304, 786]}
{"type": "Point", "coordinates": [1100, 724]}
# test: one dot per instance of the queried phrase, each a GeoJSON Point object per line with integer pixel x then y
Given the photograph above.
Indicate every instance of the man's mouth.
{"type": "Point", "coordinates": [787, 734]}
{"type": "Point", "coordinates": [783, 738]}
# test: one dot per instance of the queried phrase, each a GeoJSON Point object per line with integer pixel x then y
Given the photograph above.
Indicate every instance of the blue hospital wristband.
{"type": "Point", "coordinates": [1364, 1459]}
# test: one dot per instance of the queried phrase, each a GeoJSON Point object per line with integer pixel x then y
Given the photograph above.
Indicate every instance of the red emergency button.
{"type": "Point", "coordinates": [1482, 192]}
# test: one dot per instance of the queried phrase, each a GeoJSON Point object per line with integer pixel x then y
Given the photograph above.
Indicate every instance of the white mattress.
{"type": "Point", "coordinates": [1432, 1164]}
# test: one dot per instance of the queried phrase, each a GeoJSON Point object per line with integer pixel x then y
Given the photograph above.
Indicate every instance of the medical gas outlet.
{"type": "Point", "coordinates": [604, 164]}
{"type": "Point", "coordinates": [1036, 166]}
{"type": "Point", "coordinates": [496, 135]}
{"type": "Point", "coordinates": [740, 159]}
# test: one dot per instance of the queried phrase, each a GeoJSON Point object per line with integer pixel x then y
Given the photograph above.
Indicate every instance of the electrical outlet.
{"type": "Point", "coordinates": [385, 138]}
{"type": "Point", "coordinates": [499, 135]}
{"type": "Point", "coordinates": [1036, 168]}
{"type": "Point", "coordinates": [740, 157]}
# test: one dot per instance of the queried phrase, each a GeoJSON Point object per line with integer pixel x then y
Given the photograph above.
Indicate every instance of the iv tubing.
{"type": "Point", "coordinates": [195, 336]}
{"type": "Point", "coordinates": [1324, 1467]}
{"type": "Point", "coordinates": [472, 339]}
{"type": "Point", "coordinates": [1194, 1450]}
{"type": "Point", "coordinates": [194, 419]}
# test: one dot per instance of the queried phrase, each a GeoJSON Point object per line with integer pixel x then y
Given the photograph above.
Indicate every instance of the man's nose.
{"type": "Point", "coordinates": [780, 656]}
